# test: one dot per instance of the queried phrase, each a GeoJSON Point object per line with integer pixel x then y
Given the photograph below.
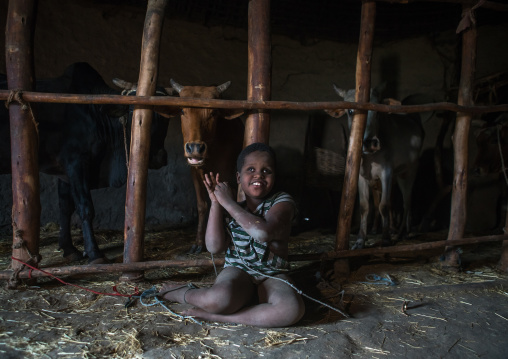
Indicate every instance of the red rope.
{"type": "Point", "coordinates": [118, 294]}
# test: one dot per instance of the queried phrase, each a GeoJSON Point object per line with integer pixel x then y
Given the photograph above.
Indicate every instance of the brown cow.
{"type": "Point", "coordinates": [211, 142]}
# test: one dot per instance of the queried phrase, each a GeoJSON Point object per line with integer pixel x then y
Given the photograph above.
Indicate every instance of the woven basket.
{"type": "Point", "coordinates": [329, 162]}
{"type": "Point", "coordinates": [325, 169]}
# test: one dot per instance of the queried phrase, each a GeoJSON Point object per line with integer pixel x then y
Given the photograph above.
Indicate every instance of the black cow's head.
{"type": "Point", "coordinates": [158, 129]}
{"type": "Point", "coordinates": [371, 141]}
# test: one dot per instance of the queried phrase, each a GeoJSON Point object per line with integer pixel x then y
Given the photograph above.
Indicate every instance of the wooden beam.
{"type": "Point", "coordinates": [257, 125]}
{"type": "Point", "coordinates": [188, 263]}
{"type": "Point", "coordinates": [26, 206]}
{"type": "Point", "coordinates": [491, 5]}
{"type": "Point", "coordinates": [135, 203]}
{"type": "Point", "coordinates": [354, 153]}
{"type": "Point", "coordinates": [458, 213]}
{"type": "Point", "coordinates": [30, 96]}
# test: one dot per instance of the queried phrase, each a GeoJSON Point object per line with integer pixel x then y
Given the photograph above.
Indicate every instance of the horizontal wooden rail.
{"type": "Point", "coordinates": [186, 263]}
{"type": "Point", "coordinates": [112, 268]}
{"type": "Point", "coordinates": [414, 247]}
{"type": "Point", "coordinates": [248, 105]}
{"type": "Point", "coordinates": [491, 5]}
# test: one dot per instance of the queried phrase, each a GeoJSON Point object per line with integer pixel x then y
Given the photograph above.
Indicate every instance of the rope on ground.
{"type": "Point", "coordinates": [152, 293]}
{"type": "Point", "coordinates": [115, 294]}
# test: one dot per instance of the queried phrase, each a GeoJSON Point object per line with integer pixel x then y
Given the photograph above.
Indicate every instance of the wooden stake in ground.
{"type": "Point", "coordinates": [26, 206]}
{"type": "Point", "coordinates": [135, 203]}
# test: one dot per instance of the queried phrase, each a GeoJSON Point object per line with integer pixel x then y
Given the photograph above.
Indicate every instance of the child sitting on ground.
{"type": "Point", "coordinates": [250, 289]}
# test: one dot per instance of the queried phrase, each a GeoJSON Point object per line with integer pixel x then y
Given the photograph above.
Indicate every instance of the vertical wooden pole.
{"type": "Point", "coordinates": [257, 126]}
{"type": "Point", "coordinates": [354, 153]}
{"type": "Point", "coordinates": [461, 143]}
{"type": "Point", "coordinates": [26, 206]}
{"type": "Point", "coordinates": [135, 205]}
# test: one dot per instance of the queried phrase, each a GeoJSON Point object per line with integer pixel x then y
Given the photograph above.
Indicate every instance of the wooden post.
{"type": "Point", "coordinates": [26, 205]}
{"type": "Point", "coordinates": [354, 153]}
{"type": "Point", "coordinates": [135, 204]}
{"type": "Point", "coordinates": [461, 143]}
{"type": "Point", "coordinates": [257, 126]}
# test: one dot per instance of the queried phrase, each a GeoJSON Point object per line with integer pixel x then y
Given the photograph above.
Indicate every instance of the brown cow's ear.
{"type": "Point", "coordinates": [339, 112]}
{"type": "Point", "coordinates": [167, 111]}
{"type": "Point", "coordinates": [231, 113]}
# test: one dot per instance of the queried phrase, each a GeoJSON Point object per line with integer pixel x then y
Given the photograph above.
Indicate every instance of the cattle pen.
{"type": "Point", "coordinates": [26, 205]}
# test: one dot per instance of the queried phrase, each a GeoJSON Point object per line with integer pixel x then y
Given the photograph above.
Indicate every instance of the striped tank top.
{"type": "Point", "coordinates": [250, 255]}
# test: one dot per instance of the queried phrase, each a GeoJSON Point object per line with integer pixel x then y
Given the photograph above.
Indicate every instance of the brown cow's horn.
{"type": "Point", "coordinates": [123, 84]}
{"type": "Point", "coordinates": [176, 86]}
{"type": "Point", "coordinates": [223, 87]}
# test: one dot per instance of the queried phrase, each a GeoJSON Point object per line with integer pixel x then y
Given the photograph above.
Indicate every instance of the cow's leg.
{"type": "Point", "coordinates": [406, 188]}
{"type": "Point", "coordinates": [84, 206]}
{"type": "Point", "coordinates": [363, 191]}
{"type": "Point", "coordinates": [202, 204]}
{"type": "Point", "coordinates": [384, 206]}
{"type": "Point", "coordinates": [376, 197]}
{"type": "Point", "coordinates": [66, 208]}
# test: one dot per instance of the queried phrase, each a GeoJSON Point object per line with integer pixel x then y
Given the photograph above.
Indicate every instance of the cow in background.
{"type": "Point", "coordinates": [492, 147]}
{"type": "Point", "coordinates": [390, 151]}
{"type": "Point", "coordinates": [212, 140]}
{"type": "Point", "coordinates": [84, 145]}
{"type": "Point", "coordinates": [491, 161]}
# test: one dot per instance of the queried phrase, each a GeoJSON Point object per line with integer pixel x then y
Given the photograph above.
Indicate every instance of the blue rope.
{"type": "Point", "coordinates": [152, 293]}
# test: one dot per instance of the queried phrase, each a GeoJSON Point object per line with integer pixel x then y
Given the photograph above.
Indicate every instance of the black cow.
{"type": "Point", "coordinates": [84, 145]}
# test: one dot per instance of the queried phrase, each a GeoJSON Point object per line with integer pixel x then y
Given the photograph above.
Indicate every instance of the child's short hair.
{"type": "Point", "coordinates": [253, 147]}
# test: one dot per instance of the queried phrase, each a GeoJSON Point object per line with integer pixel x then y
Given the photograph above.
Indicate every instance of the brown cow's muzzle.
{"type": "Point", "coordinates": [195, 153]}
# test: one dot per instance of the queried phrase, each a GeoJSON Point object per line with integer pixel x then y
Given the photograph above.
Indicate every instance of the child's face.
{"type": "Point", "coordinates": [257, 175]}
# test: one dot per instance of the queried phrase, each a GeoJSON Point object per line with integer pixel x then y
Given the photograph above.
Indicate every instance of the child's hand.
{"type": "Point", "coordinates": [210, 182]}
{"type": "Point", "coordinates": [218, 191]}
{"type": "Point", "coordinates": [223, 192]}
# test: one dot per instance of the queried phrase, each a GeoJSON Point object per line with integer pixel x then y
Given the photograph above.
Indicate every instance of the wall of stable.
{"type": "Point", "coordinates": [109, 38]}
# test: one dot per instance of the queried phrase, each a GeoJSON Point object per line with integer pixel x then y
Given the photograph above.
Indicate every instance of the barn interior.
{"type": "Point", "coordinates": [313, 46]}
{"type": "Point", "coordinates": [416, 51]}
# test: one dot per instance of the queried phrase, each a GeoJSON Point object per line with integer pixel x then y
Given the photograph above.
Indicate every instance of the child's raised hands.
{"type": "Point", "coordinates": [218, 191]}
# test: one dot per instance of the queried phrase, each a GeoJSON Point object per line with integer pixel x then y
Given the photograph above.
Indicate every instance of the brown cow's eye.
{"type": "Point", "coordinates": [350, 112]}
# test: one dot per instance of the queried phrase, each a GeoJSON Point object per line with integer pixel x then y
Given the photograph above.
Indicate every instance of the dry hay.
{"type": "Point", "coordinates": [278, 338]}
{"type": "Point", "coordinates": [120, 332]}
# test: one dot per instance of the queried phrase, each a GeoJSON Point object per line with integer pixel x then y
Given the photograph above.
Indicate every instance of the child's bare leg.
{"type": "Point", "coordinates": [232, 290]}
{"type": "Point", "coordinates": [280, 306]}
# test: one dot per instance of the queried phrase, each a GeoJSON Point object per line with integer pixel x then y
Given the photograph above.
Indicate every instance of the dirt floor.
{"type": "Point", "coordinates": [427, 313]}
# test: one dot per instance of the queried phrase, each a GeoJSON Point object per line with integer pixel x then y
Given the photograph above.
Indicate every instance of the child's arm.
{"type": "Point", "coordinates": [215, 237]}
{"type": "Point", "coordinates": [275, 226]}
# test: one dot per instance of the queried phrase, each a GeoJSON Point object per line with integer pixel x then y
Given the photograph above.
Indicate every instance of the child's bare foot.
{"type": "Point", "coordinates": [173, 292]}
{"type": "Point", "coordinates": [198, 313]}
